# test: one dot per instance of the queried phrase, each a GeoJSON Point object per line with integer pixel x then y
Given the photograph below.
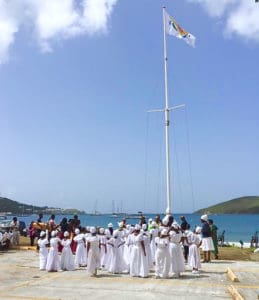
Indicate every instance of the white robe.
{"type": "Point", "coordinates": [162, 257]}
{"type": "Point", "coordinates": [138, 261]}
{"type": "Point", "coordinates": [117, 263]}
{"type": "Point", "coordinates": [108, 255]}
{"type": "Point", "coordinates": [67, 259]}
{"type": "Point", "coordinates": [53, 263]}
{"type": "Point", "coordinates": [146, 237]}
{"type": "Point", "coordinates": [177, 258]}
{"type": "Point", "coordinates": [153, 234]}
{"type": "Point", "coordinates": [128, 248]}
{"type": "Point", "coordinates": [80, 256]}
{"type": "Point", "coordinates": [93, 257]}
{"type": "Point", "coordinates": [43, 252]}
{"type": "Point", "coordinates": [194, 259]}
{"type": "Point", "coordinates": [103, 248]}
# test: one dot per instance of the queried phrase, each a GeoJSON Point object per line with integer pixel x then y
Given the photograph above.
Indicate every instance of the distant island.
{"type": "Point", "coordinates": [242, 205]}
{"type": "Point", "coordinates": [11, 207]}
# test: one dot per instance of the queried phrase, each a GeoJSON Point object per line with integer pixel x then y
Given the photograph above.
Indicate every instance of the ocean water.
{"type": "Point", "coordinates": [237, 227]}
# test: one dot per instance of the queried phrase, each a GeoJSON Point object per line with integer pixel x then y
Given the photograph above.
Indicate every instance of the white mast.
{"type": "Point", "coordinates": [166, 111]}
{"type": "Point", "coordinates": [168, 176]}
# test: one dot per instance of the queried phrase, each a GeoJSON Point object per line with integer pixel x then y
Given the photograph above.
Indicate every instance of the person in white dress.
{"type": "Point", "coordinates": [153, 234]}
{"type": "Point", "coordinates": [103, 246]}
{"type": "Point", "coordinates": [53, 262]}
{"type": "Point", "coordinates": [93, 252]}
{"type": "Point", "coordinates": [128, 244]}
{"type": "Point", "coordinates": [138, 260]}
{"type": "Point", "coordinates": [43, 250]}
{"type": "Point", "coordinates": [107, 259]}
{"type": "Point", "coordinates": [194, 241]}
{"type": "Point", "coordinates": [67, 260]}
{"type": "Point", "coordinates": [207, 242]}
{"type": "Point", "coordinates": [117, 263]}
{"type": "Point", "coordinates": [177, 258]}
{"type": "Point", "coordinates": [162, 255]}
{"type": "Point", "coordinates": [146, 236]}
{"type": "Point", "coordinates": [80, 256]}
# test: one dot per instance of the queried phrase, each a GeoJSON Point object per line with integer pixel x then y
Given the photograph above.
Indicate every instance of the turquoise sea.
{"type": "Point", "coordinates": [237, 227]}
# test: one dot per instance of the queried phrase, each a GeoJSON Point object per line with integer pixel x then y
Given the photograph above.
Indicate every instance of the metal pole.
{"type": "Point", "coordinates": [168, 185]}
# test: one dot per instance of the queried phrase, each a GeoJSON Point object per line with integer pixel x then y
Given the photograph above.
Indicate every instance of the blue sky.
{"type": "Point", "coordinates": [78, 78]}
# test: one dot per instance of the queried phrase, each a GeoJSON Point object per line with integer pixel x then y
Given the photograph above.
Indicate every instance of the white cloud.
{"type": "Point", "coordinates": [52, 20]}
{"type": "Point", "coordinates": [244, 21]}
{"type": "Point", "coordinates": [215, 8]}
{"type": "Point", "coordinates": [240, 17]}
{"type": "Point", "coordinates": [8, 28]}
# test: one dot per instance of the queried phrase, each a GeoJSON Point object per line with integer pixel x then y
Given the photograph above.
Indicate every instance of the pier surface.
{"type": "Point", "coordinates": [20, 278]}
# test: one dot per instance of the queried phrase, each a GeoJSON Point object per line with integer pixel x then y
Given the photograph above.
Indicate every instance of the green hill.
{"type": "Point", "coordinates": [16, 208]}
{"type": "Point", "coordinates": [242, 205]}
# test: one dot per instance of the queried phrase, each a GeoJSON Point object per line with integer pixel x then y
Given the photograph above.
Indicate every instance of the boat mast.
{"type": "Point", "coordinates": [167, 122]}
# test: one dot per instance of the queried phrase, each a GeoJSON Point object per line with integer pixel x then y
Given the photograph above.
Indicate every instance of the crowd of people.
{"type": "Point", "coordinates": [164, 246]}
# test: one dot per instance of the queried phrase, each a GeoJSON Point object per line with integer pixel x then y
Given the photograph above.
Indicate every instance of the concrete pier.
{"type": "Point", "coordinates": [20, 278]}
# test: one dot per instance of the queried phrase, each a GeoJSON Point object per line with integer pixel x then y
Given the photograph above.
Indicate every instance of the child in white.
{"type": "Point", "coordinates": [194, 241]}
{"type": "Point", "coordinates": [43, 250]}
{"type": "Point", "coordinates": [162, 255]}
{"type": "Point", "coordinates": [80, 257]}
{"type": "Point", "coordinates": [53, 263]}
{"type": "Point", "coordinates": [67, 259]}
{"type": "Point", "coordinates": [93, 253]}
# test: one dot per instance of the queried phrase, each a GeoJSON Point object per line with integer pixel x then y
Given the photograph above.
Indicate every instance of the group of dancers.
{"type": "Point", "coordinates": [160, 245]}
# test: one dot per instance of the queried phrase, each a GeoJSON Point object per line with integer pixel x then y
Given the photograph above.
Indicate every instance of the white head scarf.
{"type": "Point", "coordinates": [77, 231]}
{"type": "Point", "coordinates": [204, 218]}
{"type": "Point", "coordinates": [92, 230]}
{"type": "Point", "coordinates": [198, 229]}
{"type": "Point", "coordinates": [164, 232]}
{"type": "Point", "coordinates": [42, 233]}
{"type": "Point", "coordinates": [165, 220]}
{"type": "Point", "coordinates": [66, 234]}
{"type": "Point", "coordinates": [137, 227]}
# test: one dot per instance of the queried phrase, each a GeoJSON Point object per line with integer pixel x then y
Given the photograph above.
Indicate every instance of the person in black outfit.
{"type": "Point", "coordinates": [185, 226]}
{"type": "Point", "coordinates": [39, 220]}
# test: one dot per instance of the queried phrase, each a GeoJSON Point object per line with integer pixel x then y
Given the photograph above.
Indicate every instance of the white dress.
{"type": "Point", "coordinates": [153, 235]}
{"type": "Point", "coordinates": [138, 261]}
{"type": "Point", "coordinates": [162, 257]}
{"type": "Point", "coordinates": [177, 258]}
{"type": "Point", "coordinates": [80, 256]}
{"type": "Point", "coordinates": [146, 237]}
{"type": "Point", "coordinates": [128, 248]}
{"type": "Point", "coordinates": [194, 260]}
{"type": "Point", "coordinates": [43, 252]}
{"type": "Point", "coordinates": [117, 263]}
{"type": "Point", "coordinates": [53, 263]}
{"type": "Point", "coordinates": [108, 255]}
{"type": "Point", "coordinates": [93, 257]}
{"type": "Point", "coordinates": [67, 259]}
{"type": "Point", "coordinates": [103, 249]}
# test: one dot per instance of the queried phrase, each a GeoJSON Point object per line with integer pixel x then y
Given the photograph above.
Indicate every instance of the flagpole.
{"type": "Point", "coordinates": [168, 183]}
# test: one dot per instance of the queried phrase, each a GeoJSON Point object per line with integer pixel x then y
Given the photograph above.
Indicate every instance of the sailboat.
{"type": "Point", "coordinates": [95, 212]}
{"type": "Point", "coordinates": [170, 27]}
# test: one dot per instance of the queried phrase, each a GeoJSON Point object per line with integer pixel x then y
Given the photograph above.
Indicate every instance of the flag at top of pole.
{"type": "Point", "coordinates": [173, 28]}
